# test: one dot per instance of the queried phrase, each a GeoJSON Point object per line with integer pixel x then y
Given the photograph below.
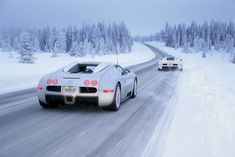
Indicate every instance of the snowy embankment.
{"type": "Point", "coordinates": [204, 120]}
{"type": "Point", "coordinates": [16, 76]}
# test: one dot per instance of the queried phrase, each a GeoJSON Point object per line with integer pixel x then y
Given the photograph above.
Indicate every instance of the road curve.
{"type": "Point", "coordinates": [28, 130]}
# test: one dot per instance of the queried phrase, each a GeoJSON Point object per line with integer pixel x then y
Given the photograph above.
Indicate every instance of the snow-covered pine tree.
{"type": "Point", "coordinates": [100, 45]}
{"type": "Point", "coordinates": [185, 43]}
{"type": "Point", "coordinates": [52, 39]}
{"type": "Point", "coordinates": [6, 47]}
{"type": "Point", "coordinates": [229, 43]}
{"type": "Point", "coordinates": [108, 46]}
{"type": "Point", "coordinates": [36, 45]}
{"type": "Point", "coordinates": [43, 37]}
{"type": "Point", "coordinates": [229, 47]}
{"type": "Point", "coordinates": [69, 38]}
{"type": "Point", "coordinates": [186, 47]}
{"type": "Point", "coordinates": [74, 50]}
{"type": "Point", "coordinates": [80, 49]}
{"type": "Point", "coordinates": [174, 38]}
{"type": "Point", "coordinates": [25, 48]}
{"type": "Point", "coordinates": [60, 44]}
{"type": "Point", "coordinates": [87, 48]}
{"type": "Point", "coordinates": [168, 35]}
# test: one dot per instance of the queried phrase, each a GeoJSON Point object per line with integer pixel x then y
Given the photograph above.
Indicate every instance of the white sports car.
{"type": "Point", "coordinates": [104, 84]}
{"type": "Point", "coordinates": [170, 63]}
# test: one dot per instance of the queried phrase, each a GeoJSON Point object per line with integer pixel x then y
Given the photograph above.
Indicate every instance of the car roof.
{"type": "Point", "coordinates": [170, 57]}
{"type": "Point", "coordinates": [99, 65]}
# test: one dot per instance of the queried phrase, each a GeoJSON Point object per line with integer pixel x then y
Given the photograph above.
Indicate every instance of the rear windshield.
{"type": "Point", "coordinates": [83, 68]}
{"type": "Point", "coordinates": [170, 58]}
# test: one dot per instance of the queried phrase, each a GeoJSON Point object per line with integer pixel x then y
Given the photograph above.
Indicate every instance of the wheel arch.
{"type": "Point", "coordinates": [120, 84]}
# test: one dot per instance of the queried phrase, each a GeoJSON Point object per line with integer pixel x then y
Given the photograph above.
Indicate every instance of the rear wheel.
{"type": "Point", "coordinates": [116, 101]}
{"type": "Point", "coordinates": [134, 92]}
{"type": "Point", "coordinates": [44, 105]}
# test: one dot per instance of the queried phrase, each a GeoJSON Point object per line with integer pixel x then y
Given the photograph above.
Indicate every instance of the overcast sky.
{"type": "Point", "coordinates": [141, 16]}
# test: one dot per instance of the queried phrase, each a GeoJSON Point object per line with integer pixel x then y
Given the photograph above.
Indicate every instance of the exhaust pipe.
{"type": "Point", "coordinates": [69, 99]}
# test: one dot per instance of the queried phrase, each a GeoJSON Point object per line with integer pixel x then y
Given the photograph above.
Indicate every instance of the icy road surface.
{"type": "Point", "coordinates": [26, 129]}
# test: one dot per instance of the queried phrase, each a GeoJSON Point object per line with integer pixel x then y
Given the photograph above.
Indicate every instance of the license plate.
{"type": "Point", "coordinates": [69, 90]}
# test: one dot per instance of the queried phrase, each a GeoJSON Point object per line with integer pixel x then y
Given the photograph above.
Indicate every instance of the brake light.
{"type": "Point", "coordinates": [51, 81]}
{"type": "Point", "coordinates": [94, 82]}
{"type": "Point", "coordinates": [39, 88]}
{"type": "Point", "coordinates": [108, 91]}
{"type": "Point", "coordinates": [54, 82]}
{"type": "Point", "coordinates": [87, 82]}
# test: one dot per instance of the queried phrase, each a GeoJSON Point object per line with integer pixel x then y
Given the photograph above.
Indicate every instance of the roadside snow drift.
{"type": "Point", "coordinates": [204, 120]}
{"type": "Point", "coordinates": [17, 76]}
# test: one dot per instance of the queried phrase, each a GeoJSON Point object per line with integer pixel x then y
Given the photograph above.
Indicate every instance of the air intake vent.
{"type": "Point", "coordinates": [88, 90]}
{"type": "Point", "coordinates": [54, 88]}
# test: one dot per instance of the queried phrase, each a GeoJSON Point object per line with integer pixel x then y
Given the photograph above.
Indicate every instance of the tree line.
{"type": "Point", "coordinates": [90, 39]}
{"type": "Point", "coordinates": [197, 37]}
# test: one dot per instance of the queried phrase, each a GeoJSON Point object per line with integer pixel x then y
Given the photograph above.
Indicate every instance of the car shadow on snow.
{"type": "Point", "coordinates": [77, 108]}
{"type": "Point", "coordinates": [86, 108]}
{"type": "Point", "coordinates": [167, 70]}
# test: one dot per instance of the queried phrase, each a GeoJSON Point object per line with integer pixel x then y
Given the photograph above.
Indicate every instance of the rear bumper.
{"type": "Point", "coordinates": [101, 99]}
{"type": "Point", "coordinates": [61, 99]}
{"type": "Point", "coordinates": [98, 97]}
{"type": "Point", "coordinates": [166, 67]}
{"type": "Point", "coordinates": [169, 67]}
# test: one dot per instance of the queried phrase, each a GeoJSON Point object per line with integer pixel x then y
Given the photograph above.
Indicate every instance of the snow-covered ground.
{"type": "Point", "coordinates": [16, 76]}
{"type": "Point", "coordinates": [204, 120]}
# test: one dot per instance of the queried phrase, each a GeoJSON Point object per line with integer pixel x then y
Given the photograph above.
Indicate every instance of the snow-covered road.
{"type": "Point", "coordinates": [189, 115]}
{"type": "Point", "coordinates": [135, 130]}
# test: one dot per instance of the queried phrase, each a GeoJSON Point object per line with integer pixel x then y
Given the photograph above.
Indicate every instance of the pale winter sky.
{"type": "Point", "coordinates": [141, 16]}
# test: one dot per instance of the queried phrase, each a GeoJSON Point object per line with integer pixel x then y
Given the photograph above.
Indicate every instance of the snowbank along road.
{"type": "Point", "coordinates": [137, 129]}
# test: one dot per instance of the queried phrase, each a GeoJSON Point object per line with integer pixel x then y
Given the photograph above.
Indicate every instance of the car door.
{"type": "Point", "coordinates": [129, 81]}
{"type": "Point", "coordinates": [123, 79]}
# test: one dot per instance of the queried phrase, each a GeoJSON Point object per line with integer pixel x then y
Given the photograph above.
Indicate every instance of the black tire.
{"type": "Point", "coordinates": [134, 92]}
{"type": "Point", "coordinates": [48, 105]}
{"type": "Point", "coordinates": [115, 106]}
{"type": "Point", "coordinates": [159, 69]}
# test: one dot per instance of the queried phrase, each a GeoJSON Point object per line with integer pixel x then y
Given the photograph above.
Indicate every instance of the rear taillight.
{"type": "Point", "coordinates": [49, 81]}
{"type": "Point", "coordinates": [87, 82]}
{"type": "Point", "coordinates": [108, 91]}
{"type": "Point", "coordinates": [52, 81]}
{"type": "Point", "coordinates": [94, 82]}
{"type": "Point", "coordinates": [90, 82]}
{"type": "Point", "coordinates": [39, 88]}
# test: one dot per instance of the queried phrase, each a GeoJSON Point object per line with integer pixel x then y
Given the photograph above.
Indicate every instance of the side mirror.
{"type": "Point", "coordinates": [127, 70]}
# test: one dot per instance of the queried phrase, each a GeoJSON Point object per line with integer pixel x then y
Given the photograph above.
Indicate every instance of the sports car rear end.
{"type": "Point", "coordinates": [73, 84]}
{"type": "Point", "coordinates": [170, 63]}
